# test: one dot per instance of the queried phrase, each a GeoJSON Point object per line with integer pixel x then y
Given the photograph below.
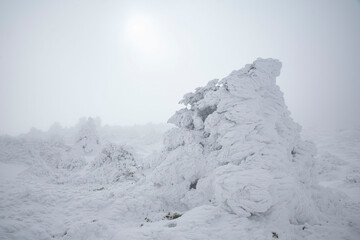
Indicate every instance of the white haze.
{"type": "Point", "coordinates": [129, 62]}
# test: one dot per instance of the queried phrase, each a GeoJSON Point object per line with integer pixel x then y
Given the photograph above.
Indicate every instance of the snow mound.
{"type": "Point", "coordinates": [236, 146]}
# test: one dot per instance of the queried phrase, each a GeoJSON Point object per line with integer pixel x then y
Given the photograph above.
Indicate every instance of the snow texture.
{"type": "Point", "coordinates": [233, 167]}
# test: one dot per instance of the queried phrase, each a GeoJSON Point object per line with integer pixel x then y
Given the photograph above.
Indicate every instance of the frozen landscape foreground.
{"type": "Point", "coordinates": [234, 167]}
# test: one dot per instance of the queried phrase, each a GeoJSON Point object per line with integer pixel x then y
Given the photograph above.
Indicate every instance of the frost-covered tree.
{"type": "Point", "coordinates": [236, 146]}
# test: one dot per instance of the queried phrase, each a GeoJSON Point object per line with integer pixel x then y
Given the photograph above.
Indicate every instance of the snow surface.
{"type": "Point", "coordinates": [234, 167]}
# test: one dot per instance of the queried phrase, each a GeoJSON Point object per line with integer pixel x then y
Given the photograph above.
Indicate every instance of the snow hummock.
{"type": "Point", "coordinates": [233, 167]}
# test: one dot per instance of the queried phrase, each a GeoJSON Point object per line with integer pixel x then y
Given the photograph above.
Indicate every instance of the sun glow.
{"type": "Point", "coordinates": [144, 38]}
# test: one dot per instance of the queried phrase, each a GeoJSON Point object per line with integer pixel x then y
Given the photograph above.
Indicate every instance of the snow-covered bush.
{"type": "Point", "coordinates": [115, 163]}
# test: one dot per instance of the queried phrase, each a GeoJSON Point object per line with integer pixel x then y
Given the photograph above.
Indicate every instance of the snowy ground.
{"type": "Point", "coordinates": [234, 167]}
{"type": "Point", "coordinates": [35, 206]}
{"type": "Point", "coordinates": [339, 164]}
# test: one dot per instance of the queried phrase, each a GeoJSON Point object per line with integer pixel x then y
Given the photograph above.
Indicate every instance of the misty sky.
{"type": "Point", "coordinates": [130, 62]}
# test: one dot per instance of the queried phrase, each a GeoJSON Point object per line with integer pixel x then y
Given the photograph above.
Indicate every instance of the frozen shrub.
{"type": "Point", "coordinates": [114, 163]}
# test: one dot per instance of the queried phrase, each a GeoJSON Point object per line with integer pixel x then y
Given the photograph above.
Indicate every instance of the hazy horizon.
{"type": "Point", "coordinates": [130, 62]}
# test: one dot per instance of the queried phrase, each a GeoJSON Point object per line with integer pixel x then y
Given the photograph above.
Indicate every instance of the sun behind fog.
{"type": "Point", "coordinates": [143, 36]}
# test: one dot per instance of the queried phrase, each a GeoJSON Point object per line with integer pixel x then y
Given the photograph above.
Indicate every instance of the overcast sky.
{"type": "Point", "coordinates": [130, 62]}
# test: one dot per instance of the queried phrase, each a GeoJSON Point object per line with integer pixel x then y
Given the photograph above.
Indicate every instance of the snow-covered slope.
{"type": "Point", "coordinates": [234, 167]}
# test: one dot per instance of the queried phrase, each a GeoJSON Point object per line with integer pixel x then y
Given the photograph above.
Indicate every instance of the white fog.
{"type": "Point", "coordinates": [179, 119]}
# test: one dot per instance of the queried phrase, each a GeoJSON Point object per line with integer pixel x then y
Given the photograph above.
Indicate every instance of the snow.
{"type": "Point", "coordinates": [9, 171]}
{"type": "Point", "coordinates": [235, 166]}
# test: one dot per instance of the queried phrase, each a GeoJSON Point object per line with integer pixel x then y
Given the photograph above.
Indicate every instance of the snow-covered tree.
{"type": "Point", "coordinates": [236, 146]}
